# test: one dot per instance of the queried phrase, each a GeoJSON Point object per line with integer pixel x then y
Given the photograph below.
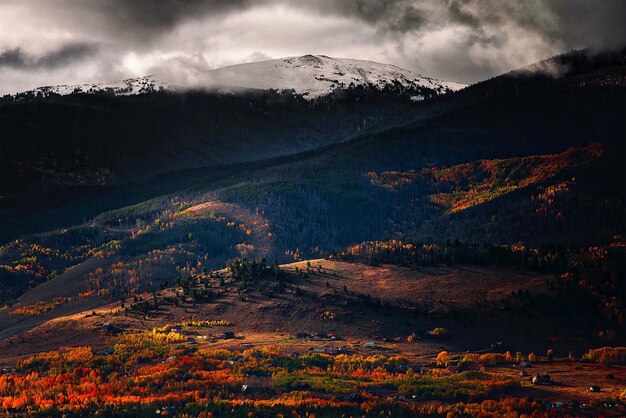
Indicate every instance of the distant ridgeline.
{"type": "Point", "coordinates": [98, 137]}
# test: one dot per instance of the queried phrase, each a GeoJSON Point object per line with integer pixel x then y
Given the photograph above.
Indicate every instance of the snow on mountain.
{"type": "Point", "coordinates": [128, 87]}
{"type": "Point", "coordinates": [311, 76]}
{"type": "Point", "coordinates": [317, 75]}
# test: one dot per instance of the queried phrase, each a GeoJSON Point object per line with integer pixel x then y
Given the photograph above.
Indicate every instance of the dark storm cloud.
{"type": "Point", "coordinates": [393, 15]}
{"type": "Point", "coordinates": [65, 55]}
{"type": "Point", "coordinates": [146, 19]}
{"type": "Point", "coordinates": [49, 41]}
{"type": "Point", "coordinates": [590, 22]}
{"type": "Point", "coordinates": [578, 23]}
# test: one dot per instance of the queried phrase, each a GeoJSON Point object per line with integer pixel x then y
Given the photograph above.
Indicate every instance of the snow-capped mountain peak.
{"type": "Point", "coordinates": [317, 75]}
{"type": "Point", "coordinates": [311, 76]}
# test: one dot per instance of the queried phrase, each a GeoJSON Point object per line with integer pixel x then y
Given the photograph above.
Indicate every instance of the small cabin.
{"type": "Point", "coordinates": [110, 328]}
{"type": "Point", "coordinates": [401, 368]}
{"type": "Point", "coordinates": [326, 350]}
{"type": "Point", "coordinates": [354, 397]}
{"type": "Point", "coordinates": [559, 406]}
{"type": "Point", "coordinates": [541, 379]}
{"type": "Point", "coordinates": [106, 352]}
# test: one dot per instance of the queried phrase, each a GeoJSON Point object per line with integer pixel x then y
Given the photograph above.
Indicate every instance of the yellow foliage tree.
{"type": "Point", "coordinates": [443, 358]}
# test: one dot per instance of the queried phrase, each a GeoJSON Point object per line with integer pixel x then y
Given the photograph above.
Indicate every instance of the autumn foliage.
{"type": "Point", "coordinates": [465, 185]}
{"type": "Point", "coordinates": [144, 371]}
{"type": "Point", "coordinates": [607, 355]}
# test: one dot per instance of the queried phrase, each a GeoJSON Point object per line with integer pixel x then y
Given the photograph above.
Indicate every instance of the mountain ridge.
{"type": "Point", "coordinates": [311, 76]}
{"type": "Point", "coordinates": [314, 76]}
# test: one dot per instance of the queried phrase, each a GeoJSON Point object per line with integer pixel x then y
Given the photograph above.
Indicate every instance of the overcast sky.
{"type": "Point", "coordinates": [47, 42]}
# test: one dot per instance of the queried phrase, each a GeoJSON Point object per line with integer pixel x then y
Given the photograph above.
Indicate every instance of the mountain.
{"type": "Point", "coordinates": [69, 158]}
{"type": "Point", "coordinates": [311, 76]}
{"type": "Point", "coordinates": [314, 76]}
{"type": "Point", "coordinates": [128, 87]}
{"type": "Point", "coordinates": [455, 223]}
{"type": "Point", "coordinates": [99, 134]}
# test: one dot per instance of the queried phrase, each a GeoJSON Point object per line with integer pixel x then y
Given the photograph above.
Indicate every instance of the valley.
{"type": "Point", "coordinates": [317, 252]}
{"type": "Point", "coordinates": [287, 336]}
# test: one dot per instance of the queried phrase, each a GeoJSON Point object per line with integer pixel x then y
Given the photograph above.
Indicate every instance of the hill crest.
{"type": "Point", "coordinates": [310, 76]}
